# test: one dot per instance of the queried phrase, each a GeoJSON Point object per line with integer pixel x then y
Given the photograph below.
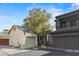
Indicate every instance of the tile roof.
{"type": "Point", "coordinates": [72, 12]}
{"type": "Point", "coordinates": [21, 28]}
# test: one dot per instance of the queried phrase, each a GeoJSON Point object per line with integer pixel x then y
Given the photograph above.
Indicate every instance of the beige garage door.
{"type": "Point", "coordinates": [30, 42]}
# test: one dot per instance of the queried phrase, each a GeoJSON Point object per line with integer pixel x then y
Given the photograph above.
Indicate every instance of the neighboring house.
{"type": "Point", "coordinates": [4, 38]}
{"type": "Point", "coordinates": [67, 31]}
{"type": "Point", "coordinates": [21, 37]}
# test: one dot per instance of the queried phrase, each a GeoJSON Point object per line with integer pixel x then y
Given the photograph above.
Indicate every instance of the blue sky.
{"type": "Point", "coordinates": [13, 14]}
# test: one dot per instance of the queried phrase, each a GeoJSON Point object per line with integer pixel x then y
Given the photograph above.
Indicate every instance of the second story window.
{"type": "Point", "coordinates": [63, 24]}
{"type": "Point", "coordinates": [72, 22]}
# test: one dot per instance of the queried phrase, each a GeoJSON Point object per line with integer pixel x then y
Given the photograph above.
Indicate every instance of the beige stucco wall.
{"type": "Point", "coordinates": [16, 38]}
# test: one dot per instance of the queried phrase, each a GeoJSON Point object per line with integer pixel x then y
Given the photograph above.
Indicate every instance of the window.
{"type": "Point", "coordinates": [63, 24]}
{"type": "Point", "coordinates": [72, 22]}
{"type": "Point", "coordinates": [14, 29]}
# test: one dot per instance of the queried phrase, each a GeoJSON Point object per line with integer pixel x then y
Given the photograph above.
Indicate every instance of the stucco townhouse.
{"type": "Point", "coordinates": [67, 31]}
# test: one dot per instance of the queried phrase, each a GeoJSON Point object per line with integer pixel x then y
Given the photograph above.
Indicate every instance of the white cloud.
{"type": "Point", "coordinates": [33, 5]}
{"type": "Point", "coordinates": [55, 12]}
{"type": "Point", "coordinates": [2, 16]}
{"type": "Point", "coordinates": [6, 22]}
{"type": "Point", "coordinates": [74, 6]}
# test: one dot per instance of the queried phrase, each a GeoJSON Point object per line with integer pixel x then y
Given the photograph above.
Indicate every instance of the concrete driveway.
{"type": "Point", "coordinates": [7, 51]}
{"type": "Point", "coordinates": [10, 51]}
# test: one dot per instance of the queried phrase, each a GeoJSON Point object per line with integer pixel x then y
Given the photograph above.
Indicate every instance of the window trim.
{"type": "Point", "coordinates": [63, 26]}
{"type": "Point", "coordinates": [72, 23]}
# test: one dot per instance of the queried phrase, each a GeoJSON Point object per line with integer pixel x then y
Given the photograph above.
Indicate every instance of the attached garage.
{"type": "Point", "coordinates": [4, 41]}
{"type": "Point", "coordinates": [21, 37]}
{"type": "Point", "coordinates": [66, 40]}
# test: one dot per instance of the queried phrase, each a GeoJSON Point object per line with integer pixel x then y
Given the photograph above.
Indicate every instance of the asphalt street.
{"type": "Point", "coordinates": [49, 52]}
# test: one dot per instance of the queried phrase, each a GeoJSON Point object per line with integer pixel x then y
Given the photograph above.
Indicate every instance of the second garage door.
{"type": "Point", "coordinates": [4, 41]}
